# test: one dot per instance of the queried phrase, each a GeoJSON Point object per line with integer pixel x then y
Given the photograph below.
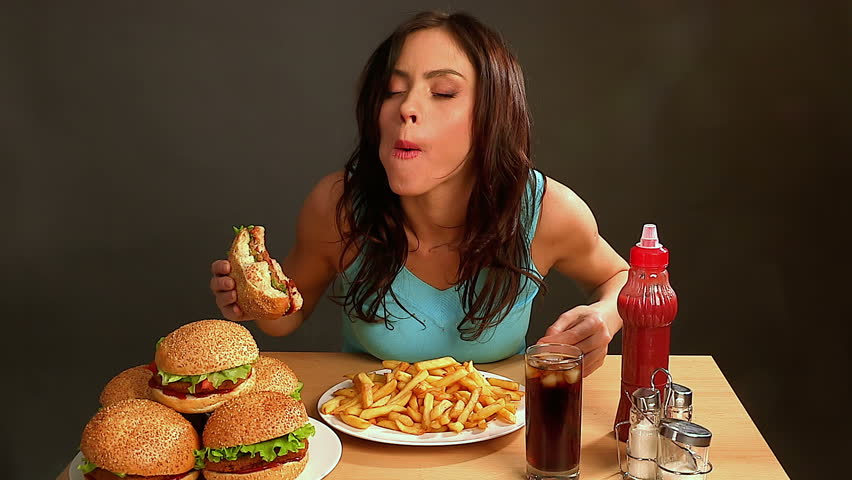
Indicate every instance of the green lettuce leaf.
{"type": "Point", "coordinates": [89, 467]}
{"type": "Point", "coordinates": [237, 229]}
{"type": "Point", "coordinates": [216, 378]}
{"type": "Point", "coordinates": [297, 393]}
{"type": "Point", "coordinates": [268, 450]}
{"type": "Point", "coordinates": [86, 466]}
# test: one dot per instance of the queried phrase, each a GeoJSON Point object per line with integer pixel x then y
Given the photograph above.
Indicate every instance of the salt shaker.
{"type": "Point", "coordinates": [683, 450]}
{"type": "Point", "coordinates": [643, 434]}
{"type": "Point", "coordinates": [679, 404]}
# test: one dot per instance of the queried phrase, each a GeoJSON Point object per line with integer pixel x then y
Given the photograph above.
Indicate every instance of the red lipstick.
{"type": "Point", "coordinates": [405, 149]}
{"type": "Point", "coordinates": [406, 145]}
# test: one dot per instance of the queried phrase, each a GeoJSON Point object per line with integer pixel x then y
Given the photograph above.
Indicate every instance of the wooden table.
{"type": "Point", "coordinates": [737, 451]}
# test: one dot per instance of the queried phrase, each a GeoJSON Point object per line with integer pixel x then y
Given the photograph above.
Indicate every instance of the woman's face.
{"type": "Point", "coordinates": [426, 119]}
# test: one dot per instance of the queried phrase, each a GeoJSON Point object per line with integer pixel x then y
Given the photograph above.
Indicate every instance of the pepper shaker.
{"type": "Point", "coordinates": [679, 402]}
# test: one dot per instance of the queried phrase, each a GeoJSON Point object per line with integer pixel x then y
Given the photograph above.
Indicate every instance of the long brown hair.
{"type": "Point", "coordinates": [494, 259]}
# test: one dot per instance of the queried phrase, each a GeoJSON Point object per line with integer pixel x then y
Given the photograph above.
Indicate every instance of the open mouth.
{"type": "Point", "coordinates": [405, 149]}
{"type": "Point", "coordinates": [405, 153]}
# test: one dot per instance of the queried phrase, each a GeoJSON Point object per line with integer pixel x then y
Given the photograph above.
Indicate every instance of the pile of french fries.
{"type": "Point", "coordinates": [437, 395]}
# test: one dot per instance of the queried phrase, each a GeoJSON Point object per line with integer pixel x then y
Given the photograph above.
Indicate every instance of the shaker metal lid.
{"type": "Point", "coordinates": [685, 432]}
{"type": "Point", "coordinates": [681, 396]}
{"type": "Point", "coordinates": [646, 399]}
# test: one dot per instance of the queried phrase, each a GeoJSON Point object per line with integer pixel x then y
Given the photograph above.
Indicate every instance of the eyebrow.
{"type": "Point", "coordinates": [430, 74]}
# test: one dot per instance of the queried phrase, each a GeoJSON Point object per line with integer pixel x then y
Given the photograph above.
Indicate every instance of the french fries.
{"type": "Point", "coordinates": [364, 387]}
{"type": "Point", "coordinates": [438, 395]}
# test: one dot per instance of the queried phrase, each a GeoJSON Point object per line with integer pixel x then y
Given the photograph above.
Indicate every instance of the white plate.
{"type": "Point", "coordinates": [325, 450]}
{"type": "Point", "coordinates": [496, 428]}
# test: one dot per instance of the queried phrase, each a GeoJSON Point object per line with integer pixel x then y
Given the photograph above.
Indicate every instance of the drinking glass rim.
{"type": "Point", "coordinates": [542, 345]}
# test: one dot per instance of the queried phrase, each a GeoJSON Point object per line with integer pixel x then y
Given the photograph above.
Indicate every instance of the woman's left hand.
{"type": "Point", "coordinates": [585, 328]}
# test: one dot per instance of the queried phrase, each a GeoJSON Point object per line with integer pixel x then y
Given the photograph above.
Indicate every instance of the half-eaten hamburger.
{"type": "Point", "coordinates": [258, 436]}
{"type": "Point", "coordinates": [263, 291]}
{"type": "Point", "coordinates": [202, 365]}
{"type": "Point", "coordinates": [139, 439]}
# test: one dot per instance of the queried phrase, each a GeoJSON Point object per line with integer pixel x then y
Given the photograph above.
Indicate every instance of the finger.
{"type": "Point", "coordinates": [596, 363]}
{"type": "Point", "coordinates": [586, 326]}
{"type": "Point", "coordinates": [564, 322]}
{"type": "Point", "coordinates": [221, 267]}
{"type": "Point", "coordinates": [598, 340]}
{"type": "Point", "coordinates": [224, 300]}
{"type": "Point", "coordinates": [574, 336]}
{"type": "Point", "coordinates": [236, 314]}
{"type": "Point", "coordinates": [232, 312]}
{"type": "Point", "coordinates": [569, 337]}
{"type": "Point", "coordinates": [222, 284]}
{"type": "Point", "coordinates": [594, 359]}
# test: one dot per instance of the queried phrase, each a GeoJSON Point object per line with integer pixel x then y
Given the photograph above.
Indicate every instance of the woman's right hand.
{"type": "Point", "coordinates": [225, 291]}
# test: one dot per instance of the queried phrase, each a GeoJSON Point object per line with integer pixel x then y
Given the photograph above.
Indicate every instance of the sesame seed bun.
{"type": "Point", "coordinates": [140, 437]}
{"type": "Point", "coordinates": [193, 404]}
{"type": "Point", "coordinates": [273, 375]}
{"type": "Point", "coordinates": [206, 346]}
{"type": "Point", "coordinates": [252, 418]}
{"type": "Point", "coordinates": [131, 383]}
{"type": "Point", "coordinates": [284, 471]}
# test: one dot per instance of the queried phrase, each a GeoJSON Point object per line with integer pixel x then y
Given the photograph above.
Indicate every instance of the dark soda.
{"type": "Point", "coordinates": [554, 405]}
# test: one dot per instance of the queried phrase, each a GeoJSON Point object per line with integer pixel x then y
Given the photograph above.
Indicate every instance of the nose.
{"type": "Point", "coordinates": [409, 111]}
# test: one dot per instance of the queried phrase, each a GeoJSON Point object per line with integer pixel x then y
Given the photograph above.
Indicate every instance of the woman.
{"type": "Point", "coordinates": [438, 231]}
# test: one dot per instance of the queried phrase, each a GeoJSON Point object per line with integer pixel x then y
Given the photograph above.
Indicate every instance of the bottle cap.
{"type": "Point", "coordinates": [649, 237]}
{"type": "Point", "coordinates": [649, 252]}
{"type": "Point", "coordinates": [646, 399]}
{"type": "Point", "coordinates": [681, 396]}
{"type": "Point", "coordinates": [684, 432]}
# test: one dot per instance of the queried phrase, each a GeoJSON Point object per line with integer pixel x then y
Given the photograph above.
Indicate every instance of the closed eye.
{"type": "Point", "coordinates": [444, 95]}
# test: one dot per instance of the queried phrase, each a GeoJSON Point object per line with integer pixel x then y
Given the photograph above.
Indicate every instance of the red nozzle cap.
{"type": "Point", "coordinates": [649, 252]}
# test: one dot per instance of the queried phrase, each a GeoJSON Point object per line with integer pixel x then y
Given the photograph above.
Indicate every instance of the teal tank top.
{"type": "Point", "coordinates": [440, 311]}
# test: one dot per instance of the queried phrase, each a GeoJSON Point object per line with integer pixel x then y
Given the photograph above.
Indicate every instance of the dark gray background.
{"type": "Point", "coordinates": [134, 135]}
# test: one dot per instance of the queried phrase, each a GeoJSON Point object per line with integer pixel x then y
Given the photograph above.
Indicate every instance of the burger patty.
{"type": "Point", "coordinates": [246, 463]}
{"type": "Point", "coordinates": [183, 387]}
{"type": "Point", "coordinates": [101, 474]}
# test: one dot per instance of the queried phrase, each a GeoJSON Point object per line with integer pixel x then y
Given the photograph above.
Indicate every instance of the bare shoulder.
{"type": "Point", "coordinates": [317, 227]}
{"type": "Point", "coordinates": [566, 226]}
{"type": "Point", "coordinates": [324, 197]}
{"type": "Point", "coordinates": [320, 206]}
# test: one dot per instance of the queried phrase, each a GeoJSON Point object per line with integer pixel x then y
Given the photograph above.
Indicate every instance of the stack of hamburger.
{"type": "Point", "coordinates": [209, 403]}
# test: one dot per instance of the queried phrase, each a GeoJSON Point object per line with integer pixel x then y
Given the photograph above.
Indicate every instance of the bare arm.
{"type": "Point", "coordinates": [311, 263]}
{"type": "Point", "coordinates": [568, 240]}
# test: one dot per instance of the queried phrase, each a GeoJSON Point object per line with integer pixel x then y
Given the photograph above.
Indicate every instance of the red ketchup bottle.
{"type": "Point", "coordinates": [648, 305]}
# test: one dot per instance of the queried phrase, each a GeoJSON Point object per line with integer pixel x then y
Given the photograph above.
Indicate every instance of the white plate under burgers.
{"type": "Point", "coordinates": [496, 428]}
{"type": "Point", "coordinates": [324, 453]}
